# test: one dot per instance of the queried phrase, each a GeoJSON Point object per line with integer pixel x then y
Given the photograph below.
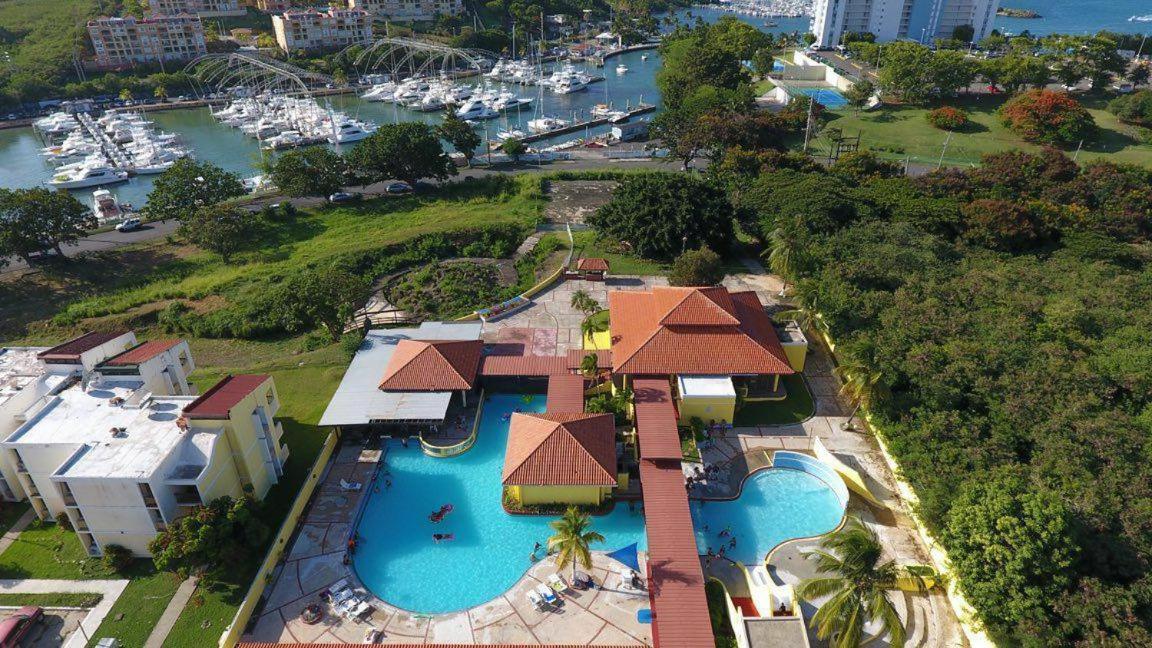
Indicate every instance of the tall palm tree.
{"type": "Point", "coordinates": [590, 365]}
{"type": "Point", "coordinates": [572, 539]}
{"type": "Point", "coordinates": [584, 302]}
{"type": "Point", "coordinates": [783, 255]}
{"type": "Point", "coordinates": [591, 326]}
{"type": "Point", "coordinates": [856, 584]}
{"type": "Point", "coordinates": [861, 384]}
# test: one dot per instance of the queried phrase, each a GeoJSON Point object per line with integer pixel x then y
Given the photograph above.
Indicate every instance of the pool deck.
{"type": "Point", "coordinates": [605, 615]}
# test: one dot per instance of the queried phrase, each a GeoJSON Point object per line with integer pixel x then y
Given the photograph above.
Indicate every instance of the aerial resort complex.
{"type": "Point", "coordinates": [497, 483]}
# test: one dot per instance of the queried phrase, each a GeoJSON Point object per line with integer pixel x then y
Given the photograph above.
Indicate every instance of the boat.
{"type": "Point", "coordinates": [350, 131]}
{"type": "Point", "coordinates": [621, 69]}
{"type": "Point", "coordinates": [546, 124]}
{"type": "Point", "coordinates": [380, 92]}
{"type": "Point", "coordinates": [287, 139]}
{"type": "Point", "coordinates": [1142, 19]}
{"type": "Point", "coordinates": [87, 176]}
{"type": "Point", "coordinates": [643, 57]}
{"type": "Point", "coordinates": [105, 207]}
{"type": "Point", "coordinates": [511, 133]}
{"type": "Point", "coordinates": [568, 84]}
{"type": "Point", "coordinates": [476, 109]}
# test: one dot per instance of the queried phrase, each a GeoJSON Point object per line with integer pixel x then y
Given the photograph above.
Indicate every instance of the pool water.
{"type": "Point", "coordinates": [397, 558]}
{"type": "Point", "coordinates": [775, 505]}
{"type": "Point", "coordinates": [831, 99]}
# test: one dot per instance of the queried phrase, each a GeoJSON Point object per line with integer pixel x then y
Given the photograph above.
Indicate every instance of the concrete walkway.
{"type": "Point", "coordinates": [171, 613]}
{"type": "Point", "coordinates": [11, 534]}
{"type": "Point", "coordinates": [109, 589]}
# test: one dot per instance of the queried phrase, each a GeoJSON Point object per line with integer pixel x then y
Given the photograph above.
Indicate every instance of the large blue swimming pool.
{"type": "Point", "coordinates": [399, 561]}
{"type": "Point", "coordinates": [397, 558]}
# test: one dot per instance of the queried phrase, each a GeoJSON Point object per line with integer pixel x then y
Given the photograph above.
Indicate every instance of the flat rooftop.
{"type": "Point", "coordinates": [125, 440]}
{"type": "Point", "coordinates": [707, 386]}
{"type": "Point", "coordinates": [780, 631]}
{"type": "Point", "coordinates": [19, 367]}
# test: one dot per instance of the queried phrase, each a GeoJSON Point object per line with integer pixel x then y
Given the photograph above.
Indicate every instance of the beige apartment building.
{"type": "Point", "coordinates": [273, 6]}
{"type": "Point", "coordinates": [202, 8]}
{"type": "Point", "coordinates": [119, 42]}
{"type": "Point", "coordinates": [311, 29]}
{"type": "Point", "coordinates": [409, 9]}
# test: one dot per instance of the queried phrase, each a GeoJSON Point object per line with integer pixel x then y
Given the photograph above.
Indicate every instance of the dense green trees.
{"type": "Point", "coordinates": [311, 171]}
{"type": "Point", "coordinates": [460, 135]}
{"type": "Point", "coordinates": [407, 151]}
{"type": "Point", "coordinates": [189, 186]}
{"type": "Point", "coordinates": [701, 267]}
{"type": "Point", "coordinates": [1004, 308]}
{"type": "Point", "coordinates": [218, 228]}
{"type": "Point", "coordinates": [224, 534]}
{"type": "Point", "coordinates": [659, 216]}
{"type": "Point", "coordinates": [35, 220]}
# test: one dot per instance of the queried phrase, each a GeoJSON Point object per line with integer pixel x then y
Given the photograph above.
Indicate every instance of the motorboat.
{"type": "Point", "coordinates": [350, 131]}
{"type": "Point", "coordinates": [507, 101]}
{"type": "Point", "coordinates": [380, 92]}
{"type": "Point", "coordinates": [105, 207]}
{"type": "Point", "coordinates": [568, 84]}
{"type": "Point", "coordinates": [1142, 19]}
{"type": "Point", "coordinates": [621, 69]}
{"type": "Point", "coordinates": [643, 57]}
{"type": "Point", "coordinates": [287, 139]}
{"type": "Point", "coordinates": [546, 124]}
{"type": "Point", "coordinates": [476, 109]}
{"type": "Point", "coordinates": [512, 133]}
{"type": "Point", "coordinates": [430, 102]}
{"type": "Point", "coordinates": [88, 176]}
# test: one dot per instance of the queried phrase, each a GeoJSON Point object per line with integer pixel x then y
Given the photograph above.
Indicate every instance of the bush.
{"type": "Point", "coordinates": [1048, 117]}
{"type": "Point", "coordinates": [117, 558]}
{"type": "Point", "coordinates": [64, 521]}
{"type": "Point", "coordinates": [948, 118]}
{"type": "Point", "coordinates": [1135, 108]}
{"type": "Point", "coordinates": [696, 268]}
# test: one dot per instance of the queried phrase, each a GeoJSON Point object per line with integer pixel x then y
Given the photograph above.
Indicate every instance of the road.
{"type": "Point", "coordinates": [150, 231]}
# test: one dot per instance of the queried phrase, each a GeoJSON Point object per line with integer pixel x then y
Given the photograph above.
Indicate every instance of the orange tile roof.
{"type": "Point", "coordinates": [141, 353]}
{"type": "Point", "coordinates": [565, 394]}
{"type": "Point", "coordinates": [218, 401]}
{"type": "Point", "coordinates": [561, 450]}
{"type": "Point", "coordinates": [671, 331]}
{"type": "Point", "coordinates": [656, 419]}
{"type": "Point", "coordinates": [433, 365]}
{"type": "Point", "coordinates": [243, 644]}
{"type": "Point", "coordinates": [71, 350]}
{"type": "Point", "coordinates": [576, 356]}
{"type": "Point", "coordinates": [593, 263]}
{"type": "Point", "coordinates": [523, 365]}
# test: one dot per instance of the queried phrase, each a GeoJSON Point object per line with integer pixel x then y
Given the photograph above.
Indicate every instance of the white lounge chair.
{"type": "Point", "coordinates": [346, 485]}
{"type": "Point", "coordinates": [557, 583]}
{"type": "Point", "coordinates": [536, 601]}
{"type": "Point", "coordinates": [547, 594]}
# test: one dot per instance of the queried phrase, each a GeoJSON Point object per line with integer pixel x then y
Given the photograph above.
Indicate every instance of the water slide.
{"type": "Point", "coordinates": [852, 479]}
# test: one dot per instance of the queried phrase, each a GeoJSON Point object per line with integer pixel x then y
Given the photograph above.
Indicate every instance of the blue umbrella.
{"type": "Point", "coordinates": [627, 556]}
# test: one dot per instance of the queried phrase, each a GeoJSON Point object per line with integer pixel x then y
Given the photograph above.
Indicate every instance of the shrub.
{"type": "Point", "coordinates": [64, 521]}
{"type": "Point", "coordinates": [948, 118]}
{"type": "Point", "coordinates": [696, 268]}
{"type": "Point", "coordinates": [117, 557]}
{"type": "Point", "coordinates": [1049, 117]}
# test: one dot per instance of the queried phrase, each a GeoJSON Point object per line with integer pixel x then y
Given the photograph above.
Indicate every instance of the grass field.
{"type": "Point", "coordinates": [793, 409]}
{"type": "Point", "coordinates": [61, 599]}
{"type": "Point", "coordinates": [900, 132]}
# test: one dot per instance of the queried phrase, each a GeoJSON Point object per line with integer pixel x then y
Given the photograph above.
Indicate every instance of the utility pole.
{"type": "Point", "coordinates": [1077, 153]}
{"type": "Point", "coordinates": [808, 127]}
{"type": "Point", "coordinates": [944, 150]}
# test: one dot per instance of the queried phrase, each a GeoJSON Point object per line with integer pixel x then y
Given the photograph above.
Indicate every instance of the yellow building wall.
{"type": "Point", "coordinates": [241, 439]}
{"type": "Point", "coordinates": [222, 478]}
{"type": "Point", "coordinates": [590, 495]}
{"type": "Point", "coordinates": [709, 408]}
{"type": "Point", "coordinates": [796, 354]}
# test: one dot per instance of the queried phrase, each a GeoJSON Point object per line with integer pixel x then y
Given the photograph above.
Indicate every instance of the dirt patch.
{"type": "Point", "coordinates": [572, 201]}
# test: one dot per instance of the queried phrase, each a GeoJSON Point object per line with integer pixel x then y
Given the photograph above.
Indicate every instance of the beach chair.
{"type": "Point", "coordinates": [346, 485]}
{"type": "Point", "coordinates": [536, 601]}
{"type": "Point", "coordinates": [557, 583]}
{"type": "Point", "coordinates": [547, 594]}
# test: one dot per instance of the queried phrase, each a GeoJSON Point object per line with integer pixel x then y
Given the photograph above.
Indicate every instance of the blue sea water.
{"type": "Point", "coordinates": [1077, 16]}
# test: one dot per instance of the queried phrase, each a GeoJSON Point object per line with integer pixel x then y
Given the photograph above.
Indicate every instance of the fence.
{"type": "Point", "coordinates": [232, 635]}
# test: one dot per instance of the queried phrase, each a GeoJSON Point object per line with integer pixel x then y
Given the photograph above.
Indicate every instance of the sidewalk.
{"type": "Point", "coordinates": [109, 589]}
{"type": "Point", "coordinates": [171, 613]}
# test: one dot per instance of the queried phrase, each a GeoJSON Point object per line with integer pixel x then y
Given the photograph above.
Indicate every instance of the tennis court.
{"type": "Point", "coordinates": [828, 98]}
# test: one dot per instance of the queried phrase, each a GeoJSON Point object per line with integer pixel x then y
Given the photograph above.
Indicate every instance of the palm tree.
{"type": "Point", "coordinates": [571, 540]}
{"type": "Point", "coordinates": [584, 302]}
{"type": "Point", "coordinates": [856, 584]}
{"type": "Point", "coordinates": [861, 384]}
{"type": "Point", "coordinates": [590, 365]}
{"type": "Point", "coordinates": [160, 93]}
{"type": "Point", "coordinates": [783, 255]}
{"type": "Point", "coordinates": [807, 316]}
{"type": "Point", "coordinates": [592, 325]}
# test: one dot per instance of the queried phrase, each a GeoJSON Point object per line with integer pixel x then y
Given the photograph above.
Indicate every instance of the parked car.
{"type": "Point", "coordinates": [129, 225]}
{"type": "Point", "coordinates": [342, 197]}
{"type": "Point", "coordinates": [397, 188]}
{"type": "Point", "coordinates": [16, 627]}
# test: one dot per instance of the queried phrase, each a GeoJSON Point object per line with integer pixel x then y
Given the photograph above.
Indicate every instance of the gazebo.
{"type": "Point", "coordinates": [592, 268]}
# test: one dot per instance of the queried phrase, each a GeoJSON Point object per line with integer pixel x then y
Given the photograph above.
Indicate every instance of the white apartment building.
{"type": "Point", "coordinates": [919, 20]}
{"type": "Point", "coordinates": [409, 10]}
{"type": "Point", "coordinates": [202, 8]}
{"type": "Point", "coordinates": [311, 29]}
{"type": "Point", "coordinates": [108, 432]}
{"type": "Point", "coordinates": [127, 41]}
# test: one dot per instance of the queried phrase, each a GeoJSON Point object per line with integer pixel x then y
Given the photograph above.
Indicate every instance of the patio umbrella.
{"type": "Point", "coordinates": [627, 556]}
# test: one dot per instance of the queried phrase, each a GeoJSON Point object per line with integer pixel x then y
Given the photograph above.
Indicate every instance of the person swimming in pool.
{"type": "Point", "coordinates": [437, 537]}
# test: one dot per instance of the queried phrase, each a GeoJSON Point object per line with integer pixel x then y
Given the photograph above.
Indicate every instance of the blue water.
{"type": "Point", "coordinates": [1076, 16]}
{"type": "Point", "coordinates": [775, 505]}
{"type": "Point", "coordinates": [828, 98]}
{"type": "Point", "coordinates": [400, 563]}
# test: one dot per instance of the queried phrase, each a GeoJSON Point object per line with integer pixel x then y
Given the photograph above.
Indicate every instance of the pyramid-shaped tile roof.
{"type": "Point", "coordinates": [561, 450]}
{"type": "Point", "coordinates": [693, 331]}
{"type": "Point", "coordinates": [434, 365]}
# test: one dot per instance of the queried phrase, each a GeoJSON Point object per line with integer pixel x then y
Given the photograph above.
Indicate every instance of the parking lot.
{"type": "Point", "coordinates": [53, 630]}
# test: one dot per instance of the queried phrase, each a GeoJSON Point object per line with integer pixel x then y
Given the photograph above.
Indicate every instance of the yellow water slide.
{"type": "Point", "coordinates": [852, 479]}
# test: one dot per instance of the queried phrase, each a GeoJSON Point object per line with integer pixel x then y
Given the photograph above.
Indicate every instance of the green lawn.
{"type": "Point", "coordinates": [902, 131]}
{"type": "Point", "coordinates": [793, 409]}
{"type": "Point", "coordinates": [10, 512]}
{"type": "Point", "coordinates": [140, 606]}
{"type": "Point", "coordinates": [620, 263]}
{"type": "Point", "coordinates": [61, 599]}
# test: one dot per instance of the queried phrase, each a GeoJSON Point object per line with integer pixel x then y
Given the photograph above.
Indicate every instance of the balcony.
{"type": "Point", "coordinates": [187, 498]}
{"type": "Point", "coordinates": [150, 501]}
{"type": "Point", "coordinates": [80, 524]}
{"type": "Point", "coordinates": [69, 500]}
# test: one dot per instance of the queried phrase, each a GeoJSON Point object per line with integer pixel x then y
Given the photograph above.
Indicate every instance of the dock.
{"type": "Point", "coordinates": [116, 157]}
{"type": "Point", "coordinates": [579, 126]}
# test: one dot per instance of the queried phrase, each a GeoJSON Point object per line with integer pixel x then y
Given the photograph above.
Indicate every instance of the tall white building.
{"type": "Point", "coordinates": [918, 20]}
{"type": "Point", "coordinates": [108, 432]}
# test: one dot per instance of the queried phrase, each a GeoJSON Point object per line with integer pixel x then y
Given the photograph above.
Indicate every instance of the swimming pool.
{"type": "Point", "coordinates": [397, 558]}
{"type": "Point", "coordinates": [828, 98]}
{"type": "Point", "coordinates": [775, 505]}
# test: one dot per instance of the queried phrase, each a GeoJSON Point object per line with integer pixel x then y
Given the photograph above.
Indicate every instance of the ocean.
{"type": "Point", "coordinates": [1077, 16]}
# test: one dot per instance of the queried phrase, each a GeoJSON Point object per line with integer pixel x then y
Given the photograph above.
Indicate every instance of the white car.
{"type": "Point", "coordinates": [129, 224]}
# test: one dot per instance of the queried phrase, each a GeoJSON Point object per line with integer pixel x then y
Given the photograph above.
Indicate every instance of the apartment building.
{"type": "Point", "coordinates": [919, 20]}
{"type": "Point", "coordinates": [201, 8]}
{"type": "Point", "coordinates": [409, 10]}
{"type": "Point", "coordinates": [109, 432]}
{"type": "Point", "coordinates": [312, 29]}
{"type": "Point", "coordinates": [273, 6]}
{"type": "Point", "coordinates": [119, 42]}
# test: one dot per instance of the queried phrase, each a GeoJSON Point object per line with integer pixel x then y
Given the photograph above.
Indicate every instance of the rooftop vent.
{"type": "Point", "coordinates": [119, 432]}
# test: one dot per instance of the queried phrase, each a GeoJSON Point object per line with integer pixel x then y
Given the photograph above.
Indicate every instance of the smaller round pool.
{"type": "Point", "coordinates": [775, 505]}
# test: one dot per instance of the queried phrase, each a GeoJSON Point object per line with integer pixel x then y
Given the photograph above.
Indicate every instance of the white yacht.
{"type": "Point", "coordinates": [621, 69]}
{"type": "Point", "coordinates": [476, 109]}
{"type": "Point", "coordinates": [511, 133]}
{"type": "Point", "coordinates": [508, 101]}
{"type": "Point", "coordinates": [87, 176]}
{"type": "Point", "coordinates": [568, 84]}
{"type": "Point", "coordinates": [105, 207]}
{"type": "Point", "coordinates": [381, 92]}
{"type": "Point", "coordinates": [546, 124]}
{"type": "Point", "coordinates": [287, 139]}
{"type": "Point", "coordinates": [350, 131]}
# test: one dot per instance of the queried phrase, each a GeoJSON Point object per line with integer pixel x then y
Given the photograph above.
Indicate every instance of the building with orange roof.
{"type": "Point", "coordinates": [560, 458]}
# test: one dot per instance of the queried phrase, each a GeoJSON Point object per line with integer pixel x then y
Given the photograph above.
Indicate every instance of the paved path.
{"type": "Point", "coordinates": [171, 613]}
{"type": "Point", "coordinates": [11, 534]}
{"type": "Point", "coordinates": [109, 589]}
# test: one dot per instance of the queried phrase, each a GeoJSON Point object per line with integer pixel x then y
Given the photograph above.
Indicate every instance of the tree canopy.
{"type": "Point", "coordinates": [219, 228]}
{"type": "Point", "coordinates": [33, 220]}
{"type": "Point", "coordinates": [407, 151]}
{"type": "Point", "coordinates": [188, 186]}
{"type": "Point", "coordinates": [224, 534]}
{"type": "Point", "coordinates": [311, 171]}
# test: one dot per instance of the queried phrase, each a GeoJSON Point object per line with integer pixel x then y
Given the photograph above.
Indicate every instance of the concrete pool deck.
{"type": "Point", "coordinates": [605, 615]}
